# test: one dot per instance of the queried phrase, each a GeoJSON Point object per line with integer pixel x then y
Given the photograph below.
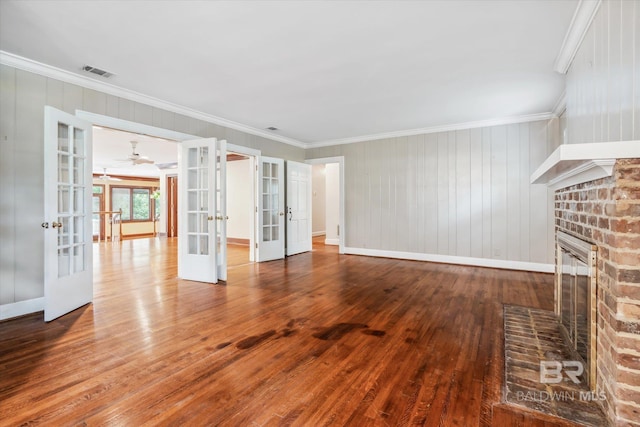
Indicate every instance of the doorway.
{"type": "Point", "coordinates": [328, 201]}
{"type": "Point", "coordinates": [240, 208]}
{"type": "Point", "coordinates": [167, 224]}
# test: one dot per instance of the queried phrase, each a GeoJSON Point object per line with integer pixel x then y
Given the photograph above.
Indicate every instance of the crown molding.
{"type": "Point", "coordinates": [582, 18]}
{"type": "Point", "coordinates": [561, 105]}
{"type": "Point", "coordinates": [25, 64]}
{"type": "Point", "coordinates": [435, 129]}
{"type": "Point", "coordinates": [29, 65]}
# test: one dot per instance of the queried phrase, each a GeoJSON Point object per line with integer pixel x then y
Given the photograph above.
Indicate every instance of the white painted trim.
{"type": "Point", "coordinates": [342, 224]}
{"type": "Point", "coordinates": [561, 105]}
{"type": "Point", "coordinates": [585, 172]}
{"type": "Point", "coordinates": [241, 149]}
{"type": "Point", "coordinates": [572, 164]}
{"type": "Point", "coordinates": [20, 308]}
{"type": "Point", "coordinates": [32, 66]}
{"type": "Point", "coordinates": [319, 233]}
{"type": "Point", "coordinates": [332, 242]}
{"type": "Point", "coordinates": [254, 159]}
{"type": "Point", "coordinates": [134, 127]}
{"type": "Point", "coordinates": [29, 65]}
{"type": "Point", "coordinates": [435, 129]}
{"type": "Point", "coordinates": [450, 259]}
{"type": "Point", "coordinates": [580, 23]}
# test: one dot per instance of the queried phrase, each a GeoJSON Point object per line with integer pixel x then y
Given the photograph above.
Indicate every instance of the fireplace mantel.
{"type": "Point", "coordinates": [572, 164]}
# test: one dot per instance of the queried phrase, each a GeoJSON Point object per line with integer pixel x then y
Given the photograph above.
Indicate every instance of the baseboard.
{"type": "Point", "coordinates": [136, 236]}
{"type": "Point", "coordinates": [20, 308]}
{"type": "Point", "coordinates": [318, 233]}
{"type": "Point", "coordinates": [236, 241]}
{"type": "Point", "coordinates": [450, 259]}
{"type": "Point", "coordinates": [335, 242]}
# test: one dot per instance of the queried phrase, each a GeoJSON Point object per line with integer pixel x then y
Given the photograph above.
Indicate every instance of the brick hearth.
{"type": "Point", "coordinates": [531, 336]}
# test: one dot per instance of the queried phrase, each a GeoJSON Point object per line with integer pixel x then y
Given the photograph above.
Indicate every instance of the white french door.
{"type": "Point", "coordinates": [271, 209]}
{"type": "Point", "coordinates": [68, 269]}
{"type": "Point", "coordinates": [298, 211]}
{"type": "Point", "coordinates": [201, 210]}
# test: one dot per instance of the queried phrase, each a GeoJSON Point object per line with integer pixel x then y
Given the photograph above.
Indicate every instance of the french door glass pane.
{"type": "Point", "coordinates": [63, 198]}
{"type": "Point", "coordinates": [78, 146]}
{"type": "Point", "coordinates": [63, 138]}
{"type": "Point", "coordinates": [198, 200]}
{"type": "Point", "coordinates": [63, 167]}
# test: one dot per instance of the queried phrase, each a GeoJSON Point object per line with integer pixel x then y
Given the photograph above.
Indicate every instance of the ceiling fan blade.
{"type": "Point", "coordinates": [143, 161]}
{"type": "Point", "coordinates": [105, 177]}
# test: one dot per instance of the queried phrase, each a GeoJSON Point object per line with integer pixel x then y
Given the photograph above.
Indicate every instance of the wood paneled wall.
{"type": "Point", "coordinates": [461, 193]}
{"type": "Point", "coordinates": [603, 83]}
{"type": "Point", "coordinates": [22, 101]}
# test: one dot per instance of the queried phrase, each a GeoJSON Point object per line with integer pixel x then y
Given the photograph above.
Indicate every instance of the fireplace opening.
{"type": "Point", "coordinates": [576, 296]}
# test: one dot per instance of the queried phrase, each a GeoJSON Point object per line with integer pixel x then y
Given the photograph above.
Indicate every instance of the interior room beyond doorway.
{"type": "Point", "coordinates": [326, 202]}
{"type": "Point", "coordinates": [240, 208]}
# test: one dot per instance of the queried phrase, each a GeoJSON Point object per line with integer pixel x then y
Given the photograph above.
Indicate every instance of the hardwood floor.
{"type": "Point", "coordinates": [316, 339]}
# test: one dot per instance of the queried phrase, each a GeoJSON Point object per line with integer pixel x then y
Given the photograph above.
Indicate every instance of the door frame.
{"type": "Point", "coordinates": [342, 224]}
{"type": "Point", "coordinates": [135, 127]}
{"type": "Point", "coordinates": [129, 126]}
{"type": "Point", "coordinates": [254, 160]}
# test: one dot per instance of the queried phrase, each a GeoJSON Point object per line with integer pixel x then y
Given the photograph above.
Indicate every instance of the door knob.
{"type": "Point", "coordinates": [281, 213]}
{"type": "Point", "coordinates": [56, 224]}
{"type": "Point", "coordinates": [210, 218]}
{"type": "Point", "coordinates": [45, 225]}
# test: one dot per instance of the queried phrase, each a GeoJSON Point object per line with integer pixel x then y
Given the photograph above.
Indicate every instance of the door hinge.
{"type": "Point", "coordinates": [256, 246]}
{"type": "Point", "coordinates": [338, 229]}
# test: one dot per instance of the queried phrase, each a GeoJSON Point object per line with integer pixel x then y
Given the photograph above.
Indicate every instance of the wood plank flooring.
{"type": "Point", "coordinates": [316, 339]}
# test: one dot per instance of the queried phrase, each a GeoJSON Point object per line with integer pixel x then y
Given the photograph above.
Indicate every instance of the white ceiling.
{"type": "Point", "coordinates": [317, 70]}
{"type": "Point", "coordinates": [111, 149]}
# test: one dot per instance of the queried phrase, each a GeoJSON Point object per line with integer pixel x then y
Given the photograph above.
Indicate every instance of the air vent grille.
{"type": "Point", "coordinates": [98, 71]}
{"type": "Point", "coordinates": [272, 128]}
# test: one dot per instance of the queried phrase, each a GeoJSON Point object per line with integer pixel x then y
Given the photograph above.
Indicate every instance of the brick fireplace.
{"type": "Point", "coordinates": [606, 213]}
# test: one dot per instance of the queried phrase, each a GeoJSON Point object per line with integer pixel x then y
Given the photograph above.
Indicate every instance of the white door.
{"type": "Point", "coordinates": [221, 209]}
{"type": "Point", "coordinates": [198, 233]}
{"type": "Point", "coordinates": [298, 211]}
{"type": "Point", "coordinates": [68, 270]}
{"type": "Point", "coordinates": [271, 209]}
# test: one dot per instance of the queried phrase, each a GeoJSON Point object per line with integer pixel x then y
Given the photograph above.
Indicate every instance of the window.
{"type": "Point", "coordinates": [134, 202]}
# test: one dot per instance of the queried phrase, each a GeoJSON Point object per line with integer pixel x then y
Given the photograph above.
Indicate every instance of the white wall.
{"type": "Point", "coordinates": [239, 199]}
{"type": "Point", "coordinates": [456, 194]}
{"type": "Point", "coordinates": [603, 82]}
{"type": "Point", "coordinates": [318, 201]}
{"type": "Point", "coordinates": [332, 175]}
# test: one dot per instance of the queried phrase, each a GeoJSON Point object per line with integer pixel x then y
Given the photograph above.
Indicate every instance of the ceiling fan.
{"type": "Point", "coordinates": [135, 158]}
{"type": "Point", "coordinates": [105, 177]}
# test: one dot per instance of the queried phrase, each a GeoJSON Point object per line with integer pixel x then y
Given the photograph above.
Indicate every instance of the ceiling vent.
{"type": "Point", "coordinates": [98, 71]}
{"type": "Point", "coordinates": [272, 128]}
